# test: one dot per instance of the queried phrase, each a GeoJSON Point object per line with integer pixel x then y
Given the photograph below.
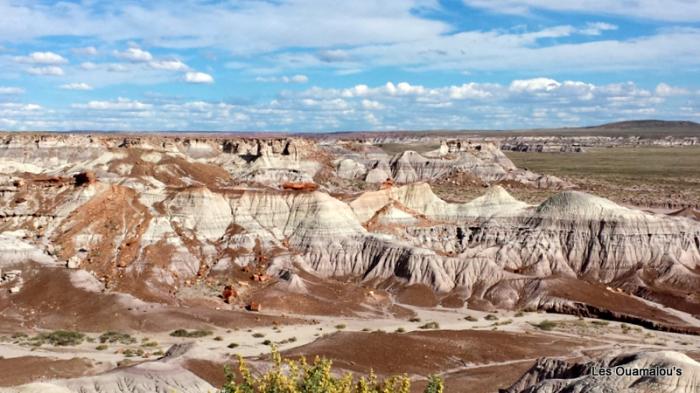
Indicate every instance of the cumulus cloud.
{"type": "Point", "coordinates": [666, 90]}
{"type": "Point", "coordinates": [76, 86]}
{"type": "Point", "coordinates": [46, 71]}
{"type": "Point", "coordinates": [42, 58]}
{"type": "Point", "coordinates": [6, 90]}
{"type": "Point", "coordinates": [198, 77]}
{"type": "Point", "coordinates": [120, 104]}
{"type": "Point", "coordinates": [136, 55]}
{"type": "Point", "coordinates": [169, 65]}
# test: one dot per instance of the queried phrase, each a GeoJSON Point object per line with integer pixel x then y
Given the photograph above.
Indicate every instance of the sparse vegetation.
{"type": "Point", "coordinates": [101, 347]}
{"type": "Point", "coordinates": [116, 337]}
{"type": "Point", "coordinates": [232, 345]}
{"type": "Point", "coordinates": [519, 314]}
{"type": "Point", "coordinates": [471, 318]}
{"type": "Point", "coordinates": [414, 319]}
{"type": "Point", "coordinates": [430, 325]}
{"type": "Point", "coordinates": [491, 317]}
{"type": "Point", "coordinates": [190, 334]}
{"type": "Point", "coordinates": [258, 335]}
{"type": "Point", "coordinates": [340, 326]}
{"type": "Point", "coordinates": [292, 376]}
{"type": "Point", "coordinates": [400, 330]}
{"type": "Point", "coordinates": [600, 323]}
{"type": "Point", "coordinates": [62, 338]}
{"type": "Point", "coordinates": [545, 325]}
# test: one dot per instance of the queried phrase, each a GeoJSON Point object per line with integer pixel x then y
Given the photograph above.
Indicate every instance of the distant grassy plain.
{"type": "Point", "coordinates": [646, 176]}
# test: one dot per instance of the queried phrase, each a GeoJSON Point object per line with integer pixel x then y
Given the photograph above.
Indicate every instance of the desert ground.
{"type": "Point", "coordinates": [141, 263]}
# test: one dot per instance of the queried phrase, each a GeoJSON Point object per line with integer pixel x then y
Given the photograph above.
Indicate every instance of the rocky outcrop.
{"type": "Point", "coordinates": [662, 371]}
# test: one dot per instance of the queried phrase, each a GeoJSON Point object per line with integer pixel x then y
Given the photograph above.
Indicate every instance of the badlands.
{"type": "Point", "coordinates": [148, 262]}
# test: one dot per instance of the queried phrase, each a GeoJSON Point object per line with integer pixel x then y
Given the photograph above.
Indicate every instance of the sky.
{"type": "Point", "coordinates": [315, 66]}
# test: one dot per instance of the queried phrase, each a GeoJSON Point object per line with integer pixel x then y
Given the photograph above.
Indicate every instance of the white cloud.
{"type": "Point", "coordinates": [534, 85]}
{"type": "Point", "coordinates": [668, 10]}
{"type": "Point", "coordinates": [136, 55]}
{"type": "Point", "coordinates": [88, 65]}
{"type": "Point", "coordinates": [299, 78]}
{"type": "Point", "coordinates": [198, 77]}
{"type": "Point", "coordinates": [372, 105]}
{"type": "Point", "coordinates": [46, 71]}
{"type": "Point", "coordinates": [120, 104]}
{"type": "Point", "coordinates": [235, 27]}
{"type": "Point", "coordinates": [76, 86]}
{"type": "Point", "coordinates": [597, 28]}
{"type": "Point", "coordinates": [169, 65]}
{"type": "Point", "coordinates": [86, 51]}
{"type": "Point", "coordinates": [42, 58]}
{"type": "Point", "coordinates": [5, 90]}
{"type": "Point", "coordinates": [666, 90]}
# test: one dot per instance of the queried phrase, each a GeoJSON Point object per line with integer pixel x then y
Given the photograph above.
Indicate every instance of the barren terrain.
{"type": "Point", "coordinates": [148, 262]}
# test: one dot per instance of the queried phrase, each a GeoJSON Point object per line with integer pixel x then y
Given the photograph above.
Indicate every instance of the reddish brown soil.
{"type": "Point", "coordinates": [599, 297]}
{"type": "Point", "coordinates": [49, 300]}
{"type": "Point", "coordinates": [486, 379]}
{"type": "Point", "coordinates": [209, 371]}
{"type": "Point", "coordinates": [25, 369]}
{"type": "Point", "coordinates": [328, 297]}
{"type": "Point", "coordinates": [417, 295]}
{"type": "Point", "coordinates": [428, 352]}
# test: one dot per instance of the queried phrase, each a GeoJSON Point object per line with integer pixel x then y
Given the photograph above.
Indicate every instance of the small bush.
{"type": "Point", "coordinates": [192, 334]}
{"type": "Point", "coordinates": [600, 323]}
{"type": "Point", "coordinates": [116, 337]}
{"type": "Point", "coordinates": [258, 335]}
{"type": "Point", "coordinates": [63, 338]}
{"type": "Point", "coordinates": [519, 314]}
{"type": "Point", "coordinates": [414, 319]}
{"type": "Point", "coordinates": [430, 325]}
{"type": "Point", "coordinates": [400, 330]}
{"type": "Point", "coordinates": [491, 317]}
{"type": "Point", "coordinates": [267, 342]}
{"type": "Point", "coordinates": [471, 318]}
{"type": "Point", "coordinates": [101, 347]}
{"type": "Point", "coordinates": [218, 338]}
{"type": "Point", "coordinates": [232, 345]}
{"type": "Point", "coordinates": [545, 325]}
{"type": "Point", "coordinates": [340, 326]}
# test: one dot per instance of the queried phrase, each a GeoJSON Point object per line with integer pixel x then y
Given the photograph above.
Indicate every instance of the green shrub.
{"type": "Point", "coordinates": [290, 376]}
{"type": "Point", "coordinates": [430, 325]}
{"type": "Point", "coordinates": [116, 337]}
{"type": "Point", "coordinates": [340, 326]}
{"type": "Point", "coordinates": [101, 347]}
{"type": "Point", "coordinates": [192, 334]}
{"type": "Point", "coordinates": [545, 325]}
{"type": "Point", "coordinates": [258, 335]}
{"type": "Point", "coordinates": [62, 338]}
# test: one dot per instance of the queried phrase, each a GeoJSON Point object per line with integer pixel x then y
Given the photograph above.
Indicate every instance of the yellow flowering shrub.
{"type": "Point", "coordinates": [290, 376]}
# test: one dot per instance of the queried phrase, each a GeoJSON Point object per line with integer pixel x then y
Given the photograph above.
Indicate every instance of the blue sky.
{"type": "Point", "coordinates": [311, 65]}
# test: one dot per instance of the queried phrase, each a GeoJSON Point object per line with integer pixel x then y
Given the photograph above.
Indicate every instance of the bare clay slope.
{"type": "Point", "coordinates": [169, 219]}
